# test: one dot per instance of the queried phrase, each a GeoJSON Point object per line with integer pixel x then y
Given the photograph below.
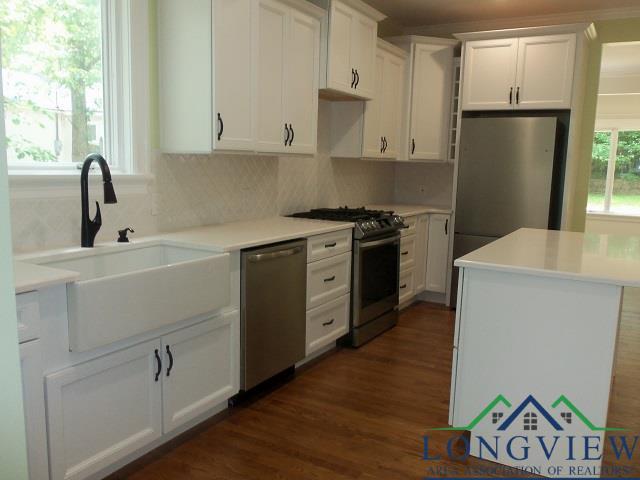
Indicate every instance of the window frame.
{"type": "Point", "coordinates": [614, 130]}
{"type": "Point", "coordinates": [126, 80]}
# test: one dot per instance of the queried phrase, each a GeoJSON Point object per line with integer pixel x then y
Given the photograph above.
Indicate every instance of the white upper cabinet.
{"type": "Point", "coordinates": [381, 130]}
{"type": "Point", "coordinates": [232, 73]}
{"type": "Point", "coordinates": [544, 77]}
{"type": "Point", "coordinates": [205, 75]}
{"type": "Point", "coordinates": [371, 129]}
{"type": "Point", "coordinates": [426, 119]}
{"type": "Point", "coordinates": [348, 57]}
{"type": "Point", "coordinates": [489, 74]}
{"type": "Point", "coordinates": [519, 73]}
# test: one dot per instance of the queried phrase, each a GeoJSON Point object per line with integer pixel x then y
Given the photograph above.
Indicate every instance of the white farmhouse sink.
{"type": "Point", "coordinates": [129, 290]}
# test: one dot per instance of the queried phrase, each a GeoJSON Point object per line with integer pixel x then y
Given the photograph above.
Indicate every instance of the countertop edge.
{"type": "Point", "coordinates": [46, 277]}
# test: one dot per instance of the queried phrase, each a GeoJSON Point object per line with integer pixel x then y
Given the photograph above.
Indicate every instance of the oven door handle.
{"type": "Point", "coordinates": [377, 243]}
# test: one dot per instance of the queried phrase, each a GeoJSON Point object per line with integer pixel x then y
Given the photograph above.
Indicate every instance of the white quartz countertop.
{"type": "Point", "coordinates": [229, 237]}
{"type": "Point", "coordinates": [28, 277]}
{"type": "Point", "coordinates": [225, 237]}
{"type": "Point", "coordinates": [405, 210]}
{"type": "Point", "coordinates": [611, 259]}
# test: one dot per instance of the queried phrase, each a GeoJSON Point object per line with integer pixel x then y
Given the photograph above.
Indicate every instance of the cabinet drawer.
{"type": "Point", "coordinates": [407, 252]}
{"type": "Point", "coordinates": [327, 323]}
{"type": "Point", "coordinates": [328, 279]}
{"type": "Point", "coordinates": [406, 286]}
{"type": "Point", "coordinates": [28, 314]}
{"type": "Point", "coordinates": [411, 223]}
{"type": "Point", "coordinates": [328, 245]}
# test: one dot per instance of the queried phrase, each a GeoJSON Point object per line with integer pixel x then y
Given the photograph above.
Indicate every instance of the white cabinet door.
{"type": "Point", "coordinates": [422, 235]}
{"type": "Point", "coordinates": [233, 75]}
{"type": "Point", "coordinates": [430, 102]}
{"type": "Point", "coordinates": [101, 411]}
{"type": "Point", "coordinates": [339, 66]}
{"type": "Point", "coordinates": [437, 253]}
{"type": "Point", "coordinates": [34, 416]}
{"type": "Point", "coordinates": [392, 96]}
{"type": "Point", "coordinates": [271, 48]}
{"type": "Point", "coordinates": [200, 369]}
{"type": "Point", "coordinates": [363, 55]}
{"type": "Point", "coordinates": [545, 72]}
{"type": "Point", "coordinates": [489, 74]}
{"type": "Point", "coordinates": [373, 111]}
{"type": "Point", "coordinates": [301, 83]}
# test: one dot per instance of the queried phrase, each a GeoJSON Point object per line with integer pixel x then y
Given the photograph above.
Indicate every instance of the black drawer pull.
{"type": "Point", "coordinates": [220, 126]}
{"type": "Point", "coordinates": [330, 279]}
{"type": "Point", "coordinates": [330, 245]}
{"type": "Point", "coordinates": [404, 253]}
{"type": "Point", "coordinates": [326, 324]}
{"type": "Point", "coordinates": [413, 146]}
{"type": "Point", "coordinates": [404, 285]}
{"type": "Point", "coordinates": [170, 360]}
{"type": "Point", "coordinates": [353, 77]}
{"type": "Point", "coordinates": [159, 365]}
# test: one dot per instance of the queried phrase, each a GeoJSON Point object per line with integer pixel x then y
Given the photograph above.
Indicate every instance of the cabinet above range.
{"type": "Point", "coordinates": [238, 76]}
{"type": "Point", "coordinates": [348, 49]}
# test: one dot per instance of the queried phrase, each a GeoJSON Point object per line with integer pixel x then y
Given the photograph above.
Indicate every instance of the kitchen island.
{"type": "Point", "coordinates": [534, 347]}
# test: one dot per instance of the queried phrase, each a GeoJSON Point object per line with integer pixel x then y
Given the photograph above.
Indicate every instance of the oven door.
{"type": "Point", "coordinates": [376, 267]}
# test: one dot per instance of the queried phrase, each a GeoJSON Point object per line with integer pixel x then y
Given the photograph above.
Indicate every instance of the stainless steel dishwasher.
{"type": "Point", "coordinates": [273, 299]}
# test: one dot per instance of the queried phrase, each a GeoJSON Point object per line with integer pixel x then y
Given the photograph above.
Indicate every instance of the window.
{"type": "Point", "coordinates": [615, 172]}
{"type": "Point", "coordinates": [530, 421]}
{"type": "Point", "coordinates": [65, 84]}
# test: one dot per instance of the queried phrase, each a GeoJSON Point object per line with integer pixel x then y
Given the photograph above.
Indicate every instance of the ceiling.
{"type": "Point", "coordinates": [411, 13]}
{"type": "Point", "coordinates": [620, 59]}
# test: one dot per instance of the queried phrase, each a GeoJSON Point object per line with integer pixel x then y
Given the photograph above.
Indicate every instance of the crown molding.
{"type": "Point", "coordinates": [587, 16]}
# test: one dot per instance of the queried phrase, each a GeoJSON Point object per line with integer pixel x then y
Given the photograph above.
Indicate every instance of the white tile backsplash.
{"type": "Point", "coordinates": [194, 190]}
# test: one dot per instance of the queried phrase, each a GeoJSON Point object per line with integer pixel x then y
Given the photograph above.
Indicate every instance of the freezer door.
{"type": "Point", "coordinates": [505, 174]}
{"type": "Point", "coordinates": [463, 244]}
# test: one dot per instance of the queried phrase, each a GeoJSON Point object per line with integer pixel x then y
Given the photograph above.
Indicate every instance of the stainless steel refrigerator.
{"type": "Point", "coordinates": [509, 177]}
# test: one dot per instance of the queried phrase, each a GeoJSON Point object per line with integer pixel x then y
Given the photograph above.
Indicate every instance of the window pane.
{"type": "Point", "coordinates": [599, 162]}
{"type": "Point", "coordinates": [52, 80]}
{"type": "Point", "coordinates": [626, 185]}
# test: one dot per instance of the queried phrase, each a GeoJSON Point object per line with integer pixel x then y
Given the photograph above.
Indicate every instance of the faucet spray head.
{"type": "Point", "coordinates": [109, 192]}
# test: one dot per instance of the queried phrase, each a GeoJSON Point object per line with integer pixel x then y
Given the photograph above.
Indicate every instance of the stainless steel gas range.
{"type": "Point", "coordinates": [375, 268]}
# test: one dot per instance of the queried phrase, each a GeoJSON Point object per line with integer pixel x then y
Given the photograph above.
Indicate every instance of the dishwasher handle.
{"type": "Point", "coordinates": [260, 257]}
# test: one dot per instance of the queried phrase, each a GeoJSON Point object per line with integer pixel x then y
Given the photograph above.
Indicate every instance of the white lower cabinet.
{"type": "Point", "coordinates": [105, 409]}
{"type": "Point", "coordinates": [200, 370]}
{"type": "Point", "coordinates": [438, 253]}
{"type": "Point", "coordinates": [422, 236]}
{"type": "Point", "coordinates": [406, 286]}
{"type": "Point", "coordinates": [34, 414]}
{"type": "Point", "coordinates": [327, 323]}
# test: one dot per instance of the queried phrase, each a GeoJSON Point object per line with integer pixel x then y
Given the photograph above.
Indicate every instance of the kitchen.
{"type": "Point", "coordinates": [235, 132]}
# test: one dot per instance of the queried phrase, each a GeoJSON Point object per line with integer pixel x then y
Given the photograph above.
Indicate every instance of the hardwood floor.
{"type": "Point", "coordinates": [361, 414]}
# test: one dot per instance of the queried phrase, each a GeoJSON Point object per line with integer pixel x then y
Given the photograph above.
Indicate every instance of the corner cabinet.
{"type": "Point", "coordinates": [103, 410]}
{"type": "Point", "coordinates": [233, 72]}
{"type": "Point", "coordinates": [519, 73]}
{"type": "Point", "coordinates": [348, 59]}
{"type": "Point", "coordinates": [427, 99]}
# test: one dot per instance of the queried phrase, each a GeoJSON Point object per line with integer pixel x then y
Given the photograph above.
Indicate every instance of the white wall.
{"type": "Point", "coordinates": [13, 453]}
{"type": "Point", "coordinates": [193, 190]}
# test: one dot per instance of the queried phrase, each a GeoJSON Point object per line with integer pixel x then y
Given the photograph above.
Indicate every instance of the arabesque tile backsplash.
{"type": "Point", "coordinates": [194, 190]}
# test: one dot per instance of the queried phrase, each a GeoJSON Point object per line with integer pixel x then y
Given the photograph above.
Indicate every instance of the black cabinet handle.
{"type": "Point", "coordinates": [159, 360]}
{"type": "Point", "coordinates": [330, 279]}
{"type": "Point", "coordinates": [357, 79]}
{"type": "Point", "coordinates": [404, 253]}
{"type": "Point", "coordinates": [170, 360]}
{"type": "Point", "coordinates": [446, 227]}
{"type": "Point", "coordinates": [326, 324]}
{"type": "Point", "coordinates": [404, 285]}
{"type": "Point", "coordinates": [286, 140]}
{"type": "Point", "coordinates": [220, 126]}
{"type": "Point", "coordinates": [353, 77]}
{"type": "Point", "coordinates": [330, 245]}
{"type": "Point", "coordinates": [510, 95]}
{"type": "Point", "coordinates": [385, 144]}
{"type": "Point", "coordinates": [381, 144]}
{"type": "Point", "coordinates": [293, 134]}
{"type": "Point", "coordinates": [518, 95]}
{"type": "Point", "coordinates": [413, 146]}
